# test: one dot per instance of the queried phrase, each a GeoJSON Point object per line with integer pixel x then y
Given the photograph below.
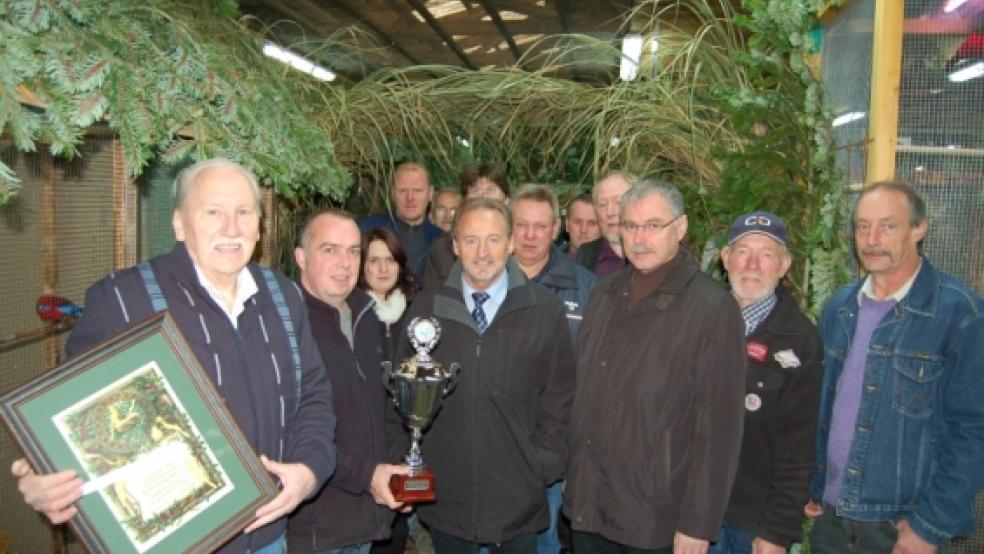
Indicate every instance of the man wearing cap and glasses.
{"type": "Point", "coordinates": [782, 393]}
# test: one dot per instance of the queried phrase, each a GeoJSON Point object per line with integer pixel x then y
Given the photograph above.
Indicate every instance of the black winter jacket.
{"type": "Point", "coordinates": [500, 438]}
{"type": "Point", "coordinates": [785, 366]}
{"type": "Point", "coordinates": [344, 513]}
{"type": "Point", "coordinates": [239, 362]}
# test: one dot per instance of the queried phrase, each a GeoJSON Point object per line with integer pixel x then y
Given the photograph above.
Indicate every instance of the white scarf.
{"type": "Point", "coordinates": [389, 310]}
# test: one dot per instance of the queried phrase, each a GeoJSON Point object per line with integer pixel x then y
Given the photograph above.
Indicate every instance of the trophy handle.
{"type": "Point", "coordinates": [388, 378]}
{"type": "Point", "coordinates": [452, 378]}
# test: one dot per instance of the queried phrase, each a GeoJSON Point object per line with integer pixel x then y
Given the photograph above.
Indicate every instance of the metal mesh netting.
{"type": "Point", "coordinates": [846, 63]}
{"type": "Point", "coordinates": [156, 208]}
{"type": "Point", "coordinates": [54, 239]}
{"type": "Point", "coordinates": [941, 136]}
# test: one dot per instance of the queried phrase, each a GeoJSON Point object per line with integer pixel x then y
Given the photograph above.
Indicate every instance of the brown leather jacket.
{"type": "Point", "coordinates": [657, 417]}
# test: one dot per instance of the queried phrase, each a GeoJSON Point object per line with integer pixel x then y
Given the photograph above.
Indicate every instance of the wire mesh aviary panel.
{"type": "Point", "coordinates": [56, 238]}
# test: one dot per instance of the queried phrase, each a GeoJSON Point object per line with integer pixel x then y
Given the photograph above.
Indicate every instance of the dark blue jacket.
{"type": "Point", "coordinates": [251, 366]}
{"type": "Point", "coordinates": [571, 283]}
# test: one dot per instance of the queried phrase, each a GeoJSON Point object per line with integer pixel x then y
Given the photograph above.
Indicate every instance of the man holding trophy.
{"type": "Point", "coordinates": [499, 439]}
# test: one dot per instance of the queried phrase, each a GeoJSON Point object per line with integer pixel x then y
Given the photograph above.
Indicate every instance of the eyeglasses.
{"type": "Point", "coordinates": [649, 227]}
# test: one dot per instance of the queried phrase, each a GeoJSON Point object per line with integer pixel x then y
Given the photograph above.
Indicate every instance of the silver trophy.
{"type": "Point", "coordinates": [418, 386]}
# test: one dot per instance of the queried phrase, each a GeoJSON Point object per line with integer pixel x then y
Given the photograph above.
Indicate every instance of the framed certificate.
{"type": "Point", "coordinates": [165, 468]}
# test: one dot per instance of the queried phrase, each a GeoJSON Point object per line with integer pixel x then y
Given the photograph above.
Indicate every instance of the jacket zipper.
{"type": "Point", "coordinates": [475, 438]}
{"type": "Point", "coordinates": [355, 326]}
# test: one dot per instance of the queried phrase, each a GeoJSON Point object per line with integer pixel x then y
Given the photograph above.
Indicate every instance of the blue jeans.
{"type": "Point", "coordinates": [836, 535]}
{"type": "Point", "coordinates": [354, 549]}
{"type": "Point", "coordinates": [449, 544]}
{"type": "Point", "coordinates": [548, 542]}
{"type": "Point", "coordinates": [275, 547]}
{"type": "Point", "coordinates": [733, 540]}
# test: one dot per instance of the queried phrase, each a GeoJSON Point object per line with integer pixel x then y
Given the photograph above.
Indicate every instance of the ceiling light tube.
{"type": "Point", "coordinates": [952, 5]}
{"type": "Point", "coordinates": [845, 118]}
{"type": "Point", "coordinates": [631, 52]}
{"type": "Point", "coordinates": [967, 73]}
{"type": "Point", "coordinates": [299, 63]}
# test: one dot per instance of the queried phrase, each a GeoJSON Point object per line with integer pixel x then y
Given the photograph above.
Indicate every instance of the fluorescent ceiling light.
{"type": "Point", "coordinates": [952, 5]}
{"type": "Point", "coordinates": [967, 73]}
{"type": "Point", "coordinates": [631, 51]}
{"type": "Point", "coordinates": [299, 63]}
{"type": "Point", "coordinates": [847, 118]}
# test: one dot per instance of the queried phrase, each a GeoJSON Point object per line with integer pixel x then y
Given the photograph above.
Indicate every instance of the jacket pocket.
{"type": "Point", "coordinates": [915, 386]}
{"type": "Point", "coordinates": [514, 408]}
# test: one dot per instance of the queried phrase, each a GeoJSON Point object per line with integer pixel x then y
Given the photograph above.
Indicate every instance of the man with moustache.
{"type": "Point", "coordinates": [499, 439]}
{"type": "Point", "coordinates": [411, 191]}
{"type": "Point", "coordinates": [536, 221]}
{"type": "Point", "coordinates": [900, 439]}
{"type": "Point", "coordinates": [446, 201]}
{"type": "Point", "coordinates": [581, 224]}
{"type": "Point", "coordinates": [782, 393]}
{"type": "Point", "coordinates": [604, 255]}
{"type": "Point", "coordinates": [248, 327]}
{"type": "Point", "coordinates": [351, 510]}
{"type": "Point", "coordinates": [657, 417]}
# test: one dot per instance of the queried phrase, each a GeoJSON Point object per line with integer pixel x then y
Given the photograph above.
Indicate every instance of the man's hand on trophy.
{"type": "Point", "coordinates": [380, 486]}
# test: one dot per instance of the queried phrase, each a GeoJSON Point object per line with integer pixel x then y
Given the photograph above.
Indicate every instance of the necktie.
{"type": "Point", "coordinates": [478, 314]}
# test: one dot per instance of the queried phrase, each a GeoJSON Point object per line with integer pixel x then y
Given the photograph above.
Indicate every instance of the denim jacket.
{"type": "Point", "coordinates": [918, 448]}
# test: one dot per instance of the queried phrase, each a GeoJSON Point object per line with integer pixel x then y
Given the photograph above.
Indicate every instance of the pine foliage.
{"type": "Point", "coordinates": [170, 76]}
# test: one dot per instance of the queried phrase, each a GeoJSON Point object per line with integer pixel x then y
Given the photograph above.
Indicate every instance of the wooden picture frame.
{"type": "Point", "coordinates": [165, 467]}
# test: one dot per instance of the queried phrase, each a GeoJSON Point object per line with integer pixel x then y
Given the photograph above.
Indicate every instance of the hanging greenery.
{"type": "Point", "coordinates": [171, 77]}
{"type": "Point", "coordinates": [726, 108]}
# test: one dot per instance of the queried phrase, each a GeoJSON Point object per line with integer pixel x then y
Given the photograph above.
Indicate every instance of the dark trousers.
{"type": "Point", "coordinates": [593, 543]}
{"type": "Point", "coordinates": [449, 544]}
{"type": "Point", "coordinates": [397, 542]}
{"type": "Point", "coordinates": [839, 535]}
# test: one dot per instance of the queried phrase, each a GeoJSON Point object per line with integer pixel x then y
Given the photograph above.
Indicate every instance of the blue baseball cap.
{"type": "Point", "coordinates": [764, 223]}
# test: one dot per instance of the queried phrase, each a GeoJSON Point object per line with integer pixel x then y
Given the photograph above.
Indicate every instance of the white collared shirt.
{"type": "Point", "coordinates": [868, 288]}
{"type": "Point", "coordinates": [496, 291]}
{"type": "Point", "coordinates": [245, 289]}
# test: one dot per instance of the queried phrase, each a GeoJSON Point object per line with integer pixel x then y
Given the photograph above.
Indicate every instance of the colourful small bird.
{"type": "Point", "coordinates": [55, 308]}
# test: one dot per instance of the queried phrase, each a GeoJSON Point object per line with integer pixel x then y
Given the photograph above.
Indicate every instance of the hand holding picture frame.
{"type": "Point", "coordinates": [165, 467]}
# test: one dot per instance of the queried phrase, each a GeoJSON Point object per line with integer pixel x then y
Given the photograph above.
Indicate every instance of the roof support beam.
{"type": "Point", "coordinates": [441, 32]}
{"type": "Point", "coordinates": [385, 38]}
{"type": "Point", "coordinates": [501, 26]}
{"type": "Point", "coordinates": [564, 15]}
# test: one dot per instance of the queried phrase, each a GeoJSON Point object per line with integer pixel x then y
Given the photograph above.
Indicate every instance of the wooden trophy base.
{"type": "Point", "coordinates": [415, 488]}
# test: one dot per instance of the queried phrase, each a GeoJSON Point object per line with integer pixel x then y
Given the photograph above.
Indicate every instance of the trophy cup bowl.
{"type": "Point", "coordinates": [418, 387]}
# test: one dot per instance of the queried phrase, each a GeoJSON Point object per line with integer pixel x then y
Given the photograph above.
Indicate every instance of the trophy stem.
{"type": "Point", "coordinates": [414, 460]}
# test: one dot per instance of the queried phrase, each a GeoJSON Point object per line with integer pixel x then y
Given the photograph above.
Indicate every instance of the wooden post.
{"type": "Point", "coordinates": [268, 232]}
{"type": "Point", "coordinates": [49, 249]}
{"type": "Point", "coordinates": [886, 76]}
{"type": "Point", "coordinates": [125, 231]}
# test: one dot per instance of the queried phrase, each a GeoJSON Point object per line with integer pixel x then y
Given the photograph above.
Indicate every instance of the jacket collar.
{"type": "Point", "coordinates": [675, 282]}
{"type": "Point", "coordinates": [923, 297]}
{"type": "Point", "coordinates": [782, 320]}
{"type": "Point", "coordinates": [449, 301]}
{"type": "Point", "coordinates": [358, 301]}
{"type": "Point", "coordinates": [179, 266]}
{"type": "Point", "coordinates": [430, 230]}
{"type": "Point", "coordinates": [559, 271]}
